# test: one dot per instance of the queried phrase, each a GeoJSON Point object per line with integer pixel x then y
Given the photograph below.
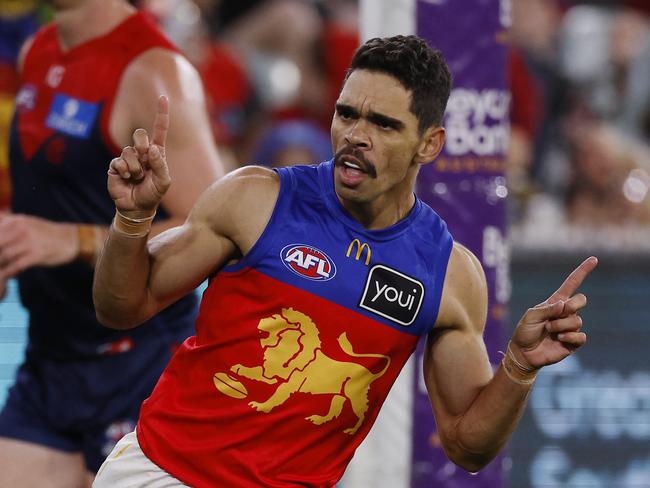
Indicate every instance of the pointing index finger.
{"type": "Point", "coordinates": [574, 280]}
{"type": "Point", "coordinates": [161, 122]}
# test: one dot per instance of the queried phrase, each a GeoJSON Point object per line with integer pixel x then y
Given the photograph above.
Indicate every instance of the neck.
{"type": "Point", "coordinates": [380, 217]}
{"type": "Point", "coordinates": [89, 19]}
{"type": "Point", "coordinates": [387, 209]}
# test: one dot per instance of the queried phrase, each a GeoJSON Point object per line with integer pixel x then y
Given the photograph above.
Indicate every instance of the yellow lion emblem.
{"type": "Point", "coordinates": [293, 359]}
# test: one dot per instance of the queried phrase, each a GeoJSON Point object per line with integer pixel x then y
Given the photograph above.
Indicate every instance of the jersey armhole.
{"type": "Point", "coordinates": [440, 271]}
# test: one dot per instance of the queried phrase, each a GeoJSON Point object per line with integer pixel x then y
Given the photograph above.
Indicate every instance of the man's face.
{"type": "Point", "coordinates": [375, 138]}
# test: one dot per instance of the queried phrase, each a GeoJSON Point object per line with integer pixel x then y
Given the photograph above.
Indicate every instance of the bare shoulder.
{"type": "Point", "coordinates": [239, 205]}
{"type": "Point", "coordinates": [153, 73]}
{"type": "Point", "coordinates": [160, 64]}
{"type": "Point", "coordinates": [245, 186]}
{"type": "Point", "coordinates": [22, 53]}
{"type": "Point", "coordinates": [464, 296]}
{"type": "Point", "coordinates": [464, 262]}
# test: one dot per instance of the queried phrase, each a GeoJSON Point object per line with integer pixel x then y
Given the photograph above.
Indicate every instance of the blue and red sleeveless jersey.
{"type": "Point", "coordinates": [298, 344]}
{"type": "Point", "coordinates": [60, 148]}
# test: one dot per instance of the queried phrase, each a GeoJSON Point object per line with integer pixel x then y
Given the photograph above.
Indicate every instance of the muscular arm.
{"type": "Point", "coordinates": [476, 411]}
{"type": "Point", "coordinates": [194, 163]}
{"type": "Point", "coordinates": [135, 279]}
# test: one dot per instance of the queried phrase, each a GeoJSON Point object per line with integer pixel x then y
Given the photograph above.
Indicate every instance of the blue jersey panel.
{"type": "Point", "coordinates": [393, 275]}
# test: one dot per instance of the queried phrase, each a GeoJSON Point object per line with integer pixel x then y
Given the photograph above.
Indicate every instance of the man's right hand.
{"type": "Point", "coordinates": [139, 178]}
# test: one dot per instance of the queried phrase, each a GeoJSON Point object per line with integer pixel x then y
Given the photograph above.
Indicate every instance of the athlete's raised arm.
{"type": "Point", "coordinates": [476, 411]}
{"type": "Point", "coordinates": [135, 278]}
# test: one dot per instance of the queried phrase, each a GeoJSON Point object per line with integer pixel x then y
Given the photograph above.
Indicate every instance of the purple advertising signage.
{"type": "Point", "coordinates": [466, 186]}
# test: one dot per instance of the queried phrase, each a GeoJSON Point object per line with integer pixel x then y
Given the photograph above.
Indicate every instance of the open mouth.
{"type": "Point", "coordinates": [352, 168]}
{"type": "Point", "coordinates": [353, 164]}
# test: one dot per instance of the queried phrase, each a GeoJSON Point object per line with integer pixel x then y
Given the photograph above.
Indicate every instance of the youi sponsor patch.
{"type": "Point", "coordinates": [392, 295]}
{"type": "Point", "coordinates": [72, 116]}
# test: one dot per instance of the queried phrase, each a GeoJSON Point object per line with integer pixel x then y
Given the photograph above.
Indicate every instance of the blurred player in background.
{"type": "Point", "coordinates": [18, 20]}
{"type": "Point", "coordinates": [87, 80]}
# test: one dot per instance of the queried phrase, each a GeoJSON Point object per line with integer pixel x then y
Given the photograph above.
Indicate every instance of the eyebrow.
{"type": "Point", "coordinates": [374, 117]}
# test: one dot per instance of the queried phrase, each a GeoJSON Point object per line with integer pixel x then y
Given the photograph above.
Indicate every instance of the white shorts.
{"type": "Point", "coordinates": [127, 467]}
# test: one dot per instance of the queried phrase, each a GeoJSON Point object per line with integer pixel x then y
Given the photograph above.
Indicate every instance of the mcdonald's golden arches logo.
{"type": "Point", "coordinates": [360, 248]}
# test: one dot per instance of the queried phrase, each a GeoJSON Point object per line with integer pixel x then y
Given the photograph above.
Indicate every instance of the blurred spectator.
{"type": "Point", "coordinates": [630, 56]}
{"type": "Point", "coordinates": [339, 41]}
{"type": "Point", "coordinates": [278, 39]}
{"type": "Point", "coordinates": [525, 119]}
{"type": "Point", "coordinates": [534, 28]}
{"type": "Point", "coordinates": [295, 72]}
{"type": "Point", "coordinates": [230, 95]}
{"type": "Point", "coordinates": [257, 71]}
{"type": "Point", "coordinates": [293, 142]}
{"type": "Point", "coordinates": [605, 56]}
{"type": "Point", "coordinates": [586, 165]}
{"type": "Point", "coordinates": [610, 180]}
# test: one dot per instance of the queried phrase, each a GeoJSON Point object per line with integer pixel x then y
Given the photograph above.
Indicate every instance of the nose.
{"type": "Point", "coordinates": [357, 136]}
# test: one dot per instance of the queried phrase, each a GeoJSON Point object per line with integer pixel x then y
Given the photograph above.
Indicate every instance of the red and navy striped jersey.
{"type": "Point", "coordinates": [60, 148]}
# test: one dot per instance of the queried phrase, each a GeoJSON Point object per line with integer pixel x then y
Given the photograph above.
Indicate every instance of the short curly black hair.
{"type": "Point", "coordinates": [419, 68]}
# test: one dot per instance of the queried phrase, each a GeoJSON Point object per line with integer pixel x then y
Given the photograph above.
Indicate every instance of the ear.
{"type": "Point", "coordinates": [430, 145]}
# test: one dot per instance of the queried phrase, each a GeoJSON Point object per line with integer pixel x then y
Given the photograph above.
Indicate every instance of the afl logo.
{"type": "Point", "coordinates": [308, 262]}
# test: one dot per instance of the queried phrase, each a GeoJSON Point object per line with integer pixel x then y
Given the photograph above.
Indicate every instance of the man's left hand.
{"type": "Point", "coordinates": [551, 331]}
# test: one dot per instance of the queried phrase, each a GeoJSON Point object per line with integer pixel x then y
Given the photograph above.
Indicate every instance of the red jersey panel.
{"type": "Point", "coordinates": [50, 71]}
{"type": "Point", "coordinates": [289, 381]}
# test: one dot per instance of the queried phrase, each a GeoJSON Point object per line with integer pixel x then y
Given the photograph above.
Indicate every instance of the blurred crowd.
{"type": "Point", "coordinates": [579, 158]}
{"type": "Point", "coordinates": [272, 70]}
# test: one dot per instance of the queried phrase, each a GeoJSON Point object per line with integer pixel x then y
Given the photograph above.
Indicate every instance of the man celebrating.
{"type": "Point", "coordinates": [323, 278]}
